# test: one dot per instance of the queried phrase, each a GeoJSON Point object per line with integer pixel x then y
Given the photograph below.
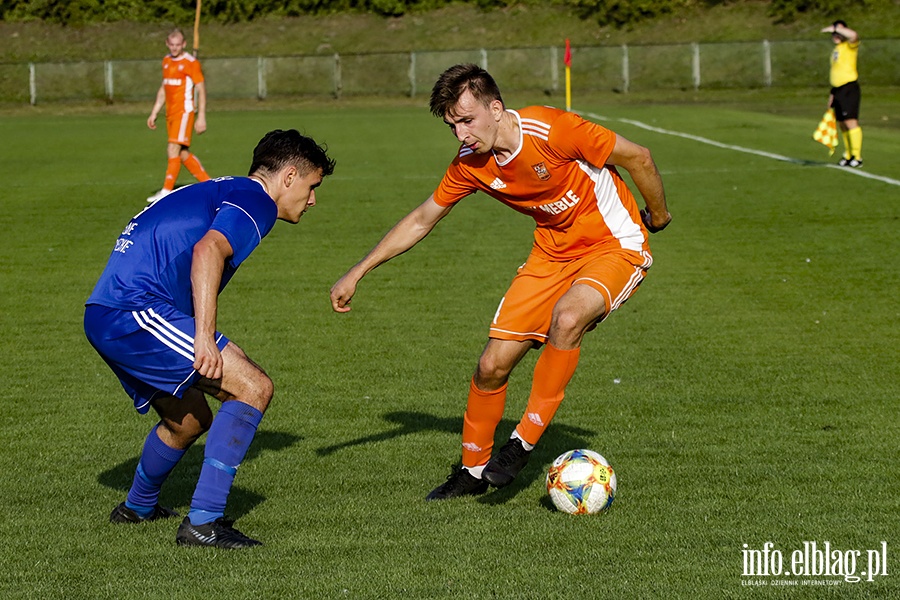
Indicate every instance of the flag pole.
{"type": "Point", "coordinates": [567, 59]}
{"type": "Point", "coordinates": [197, 30]}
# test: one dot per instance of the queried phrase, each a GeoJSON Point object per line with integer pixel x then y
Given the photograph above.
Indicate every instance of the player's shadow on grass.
{"type": "Point", "coordinates": [558, 438]}
{"type": "Point", "coordinates": [407, 422]}
{"type": "Point", "coordinates": [179, 487]}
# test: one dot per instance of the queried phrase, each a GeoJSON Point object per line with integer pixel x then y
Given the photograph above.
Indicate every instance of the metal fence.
{"type": "Point", "coordinates": [595, 68]}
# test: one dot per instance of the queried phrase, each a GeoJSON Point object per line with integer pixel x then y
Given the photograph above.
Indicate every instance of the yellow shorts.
{"type": "Point", "coordinates": [179, 127]}
{"type": "Point", "coordinates": [526, 309]}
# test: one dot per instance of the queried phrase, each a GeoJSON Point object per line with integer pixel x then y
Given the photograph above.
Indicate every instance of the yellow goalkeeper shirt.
{"type": "Point", "coordinates": [843, 63]}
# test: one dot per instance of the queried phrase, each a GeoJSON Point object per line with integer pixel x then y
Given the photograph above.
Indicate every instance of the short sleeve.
{"type": "Point", "coordinates": [245, 219]}
{"type": "Point", "coordinates": [454, 186]}
{"type": "Point", "coordinates": [577, 138]}
{"type": "Point", "coordinates": [197, 72]}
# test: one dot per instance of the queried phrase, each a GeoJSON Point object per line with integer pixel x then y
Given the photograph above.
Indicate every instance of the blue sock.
{"type": "Point", "coordinates": [229, 438]}
{"type": "Point", "coordinates": [157, 461]}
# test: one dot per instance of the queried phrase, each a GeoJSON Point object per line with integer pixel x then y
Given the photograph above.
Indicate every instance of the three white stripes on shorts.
{"type": "Point", "coordinates": [165, 332]}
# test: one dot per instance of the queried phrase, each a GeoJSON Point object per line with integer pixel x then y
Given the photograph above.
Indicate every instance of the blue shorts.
{"type": "Point", "coordinates": [151, 351]}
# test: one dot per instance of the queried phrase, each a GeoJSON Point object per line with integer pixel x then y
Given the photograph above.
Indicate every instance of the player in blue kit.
{"type": "Point", "coordinates": [152, 317]}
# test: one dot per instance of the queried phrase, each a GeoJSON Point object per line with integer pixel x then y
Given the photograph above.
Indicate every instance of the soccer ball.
{"type": "Point", "coordinates": [581, 482]}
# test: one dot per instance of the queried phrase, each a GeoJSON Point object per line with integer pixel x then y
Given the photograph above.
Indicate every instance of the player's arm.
{"type": "Point", "coordinates": [637, 161]}
{"type": "Point", "coordinates": [843, 31]}
{"type": "Point", "coordinates": [157, 106]}
{"type": "Point", "coordinates": [207, 265]}
{"type": "Point", "coordinates": [200, 122]}
{"type": "Point", "coordinates": [408, 232]}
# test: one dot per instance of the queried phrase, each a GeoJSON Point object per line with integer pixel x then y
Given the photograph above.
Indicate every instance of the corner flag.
{"type": "Point", "coordinates": [826, 133]}
{"type": "Point", "coordinates": [567, 59]}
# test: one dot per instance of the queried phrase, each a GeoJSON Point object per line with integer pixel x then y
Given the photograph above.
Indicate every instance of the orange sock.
{"type": "Point", "coordinates": [172, 169]}
{"type": "Point", "coordinates": [483, 413]}
{"type": "Point", "coordinates": [552, 373]}
{"type": "Point", "coordinates": [192, 163]}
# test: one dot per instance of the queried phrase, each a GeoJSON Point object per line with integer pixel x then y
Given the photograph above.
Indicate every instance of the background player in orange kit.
{"type": "Point", "coordinates": [590, 252]}
{"type": "Point", "coordinates": [181, 77]}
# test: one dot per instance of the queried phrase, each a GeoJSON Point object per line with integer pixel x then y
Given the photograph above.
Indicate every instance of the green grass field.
{"type": "Point", "coordinates": [746, 394]}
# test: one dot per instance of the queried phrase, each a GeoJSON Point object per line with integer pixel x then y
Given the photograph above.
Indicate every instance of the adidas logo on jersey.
{"type": "Point", "coordinates": [497, 184]}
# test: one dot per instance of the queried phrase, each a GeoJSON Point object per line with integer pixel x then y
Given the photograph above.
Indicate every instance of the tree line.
{"type": "Point", "coordinates": [606, 12]}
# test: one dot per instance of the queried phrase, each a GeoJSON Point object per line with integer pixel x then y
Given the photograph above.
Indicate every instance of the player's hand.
{"type": "Point", "coordinates": [654, 223]}
{"type": "Point", "coordinates": [151, 122]}
{"type": "Point", "coordinates": [341, 294]}
{"type": "Point", "coordinates": [207, 359]}
{"type": "Point", "coordinates": [200, 124]}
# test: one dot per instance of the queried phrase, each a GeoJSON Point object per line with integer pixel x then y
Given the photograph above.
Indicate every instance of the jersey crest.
{"type": "Point", "coordinates": [541, 171]}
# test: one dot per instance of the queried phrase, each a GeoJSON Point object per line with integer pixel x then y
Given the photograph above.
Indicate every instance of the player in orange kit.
{"type": "Point", "coordinates": [590, 252]}
{"type": "Point", "coordinates": [181, 77]}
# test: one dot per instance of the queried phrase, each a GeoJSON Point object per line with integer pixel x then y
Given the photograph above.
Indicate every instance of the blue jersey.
{"type": "Point", "coordinates": [151, 261]}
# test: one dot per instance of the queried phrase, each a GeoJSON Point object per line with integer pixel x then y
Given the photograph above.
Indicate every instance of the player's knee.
{"type": "Point", "coordinates": [268, 389]}
{"type": "Point", "coordinates": [568, 328]}
{"type": "Point", "coordinates": [491, 374]}
{"type": "Point", "coordinates": [262, 390]}
{"type": "Point", "coordinates": [567, 323]}
{"type": "Point", "coordinates": [203, 422]}
{"type": "Point", "coordinates": [184, 432]}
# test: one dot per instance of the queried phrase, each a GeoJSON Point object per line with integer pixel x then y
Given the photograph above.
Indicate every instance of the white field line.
{"type": "Point", "coordinates": [762, 153]}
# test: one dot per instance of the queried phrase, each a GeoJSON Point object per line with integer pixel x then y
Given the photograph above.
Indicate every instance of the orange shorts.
{"type": "Point", "coordinates": [179, 127]}
{"type": "Point", "coordinates": [526, 309]}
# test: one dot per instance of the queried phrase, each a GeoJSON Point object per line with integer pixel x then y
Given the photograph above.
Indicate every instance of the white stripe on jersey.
{"type": "Point", "coordinates": [536, 128]}
{"type": "Point", "coordinates": [614, 213]}
{"type": "Point", "coordinates": [534, 123]}
{"type": "Point", "coordinates": [175, 339]}
{"type": "Point", "coordinates": [188, 94]}
{"type": "Point", "coordinates": [536, 134]}
{"type": "Point", "coordinates": [248, 214]}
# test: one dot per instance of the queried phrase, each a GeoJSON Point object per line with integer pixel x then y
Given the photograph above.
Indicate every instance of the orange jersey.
{"type": "Point", "coordinates": [179, 77]}
{"type": "Point", "coordinates": [559, 177]}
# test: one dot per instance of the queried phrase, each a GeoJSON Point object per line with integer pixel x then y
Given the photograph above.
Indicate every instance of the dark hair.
{"type": "Point", "coordinates": [839, 22]}
{"type": "Point", "coordinates": [453, 82]}
{"type": "Point", "coordinates": [281, 148]}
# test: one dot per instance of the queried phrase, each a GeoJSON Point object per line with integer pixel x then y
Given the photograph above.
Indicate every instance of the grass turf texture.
{"type": "Point", "coordinates": [746, 394]}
